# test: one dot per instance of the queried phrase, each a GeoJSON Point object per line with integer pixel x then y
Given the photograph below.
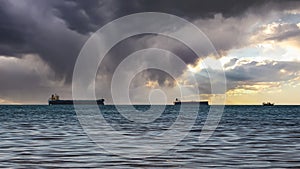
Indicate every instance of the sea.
{"type": "Point", "coordinates": [42, 136]}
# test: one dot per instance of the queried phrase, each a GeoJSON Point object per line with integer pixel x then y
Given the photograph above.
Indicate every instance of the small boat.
{"type": "Point", "coordinates": [267, 104]}
{"type": "Point", "coordinates": [54, 100]}
{"type": "Point", "coordinates": [179, 102]}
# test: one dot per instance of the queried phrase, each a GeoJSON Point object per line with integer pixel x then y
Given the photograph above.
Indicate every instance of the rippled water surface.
{"type": "Point", "coordinates": [247, 136]}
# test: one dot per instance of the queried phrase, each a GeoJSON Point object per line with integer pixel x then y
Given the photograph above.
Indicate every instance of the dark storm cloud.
{"type": "Point", "coordinates": [88, 16]}
{"type": "Point", "coordinates": [22, 81]}
{"type": "Point", "coordinates": [133, 44]}
{"type": "Point", "coordinates": [12, 33]}
{"type": "Point", "coordinates": [40, 26]}
{"type": "Point", "coordinates": [56, 30]}
{"type": "Point", "coordinates": [32, 29]}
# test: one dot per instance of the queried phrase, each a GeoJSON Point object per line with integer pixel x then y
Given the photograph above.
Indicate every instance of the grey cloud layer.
{"type": "Point", "coordinates": [285, 31]}
{"type": "Point", "coordinates": [239, 74]}
{"type": "Point", "coordinates": [32, 29]}
{"type": "Point", "coordinates": [271, 71]}
{"type": "Point", "coordinates": [56, 30]}
{"type": "Point", "coordinates": [88, 16]}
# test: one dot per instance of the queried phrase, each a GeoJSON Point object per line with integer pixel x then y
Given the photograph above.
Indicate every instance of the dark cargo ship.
{"type": "Point", "coordinates": [179, 102]}
{"type": "Point", "coordinates": [54, 100]}
{"type": "Point", "coordinates": [267, 104]}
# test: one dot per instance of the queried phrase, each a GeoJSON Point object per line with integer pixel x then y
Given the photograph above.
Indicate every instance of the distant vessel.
{"type": "Point", "coordinates": [179, 102]}
{"type": "Point", "coordinates": [54, 100]}
{"type": "Point", "coordinates": [267, 104]}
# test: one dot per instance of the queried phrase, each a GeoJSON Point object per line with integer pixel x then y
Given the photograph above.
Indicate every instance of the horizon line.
{"type": "Point", "coordinates": [143, 104]}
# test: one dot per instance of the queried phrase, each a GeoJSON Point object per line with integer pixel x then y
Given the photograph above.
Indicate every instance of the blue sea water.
{"type": "Point", "coordinates": [246, 137]}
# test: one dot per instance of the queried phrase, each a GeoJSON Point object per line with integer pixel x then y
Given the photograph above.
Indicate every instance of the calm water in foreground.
{"type": "Point", "coordinates": [247, 137]}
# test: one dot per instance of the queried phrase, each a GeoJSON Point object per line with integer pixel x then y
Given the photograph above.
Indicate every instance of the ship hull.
{"type": "Point", "coordinates": [71, 102]}
{"type": "Point", "coordinates": [268, 105]}
{"type": "Point", "coordinates": [184, 103]}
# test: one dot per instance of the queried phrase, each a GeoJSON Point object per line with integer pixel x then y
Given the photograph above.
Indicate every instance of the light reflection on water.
{"type": "Point", "coordinates": [247, 136]}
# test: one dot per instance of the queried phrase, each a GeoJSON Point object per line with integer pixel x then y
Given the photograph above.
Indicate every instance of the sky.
{"type": "Point", "coordinates": [258, 45]}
